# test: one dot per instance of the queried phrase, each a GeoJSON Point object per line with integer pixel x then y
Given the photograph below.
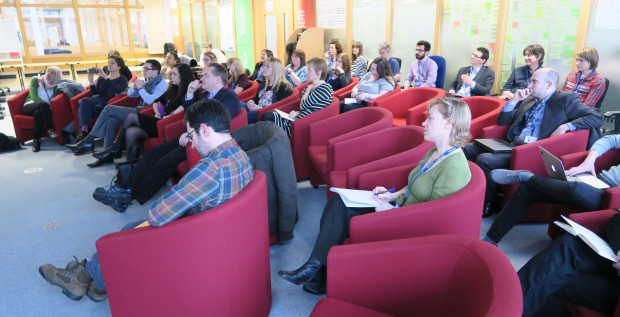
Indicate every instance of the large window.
{"type": "Point", "coordinates": [138, 30]}
{"type": "Point", "coordinates": [50, 31]}
{"type": "Point", "coordinates": [104, 29]}
{"type": "Point", "coordinates": [369, 25]}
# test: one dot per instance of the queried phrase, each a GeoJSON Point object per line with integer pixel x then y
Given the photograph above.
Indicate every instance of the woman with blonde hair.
{"type": "Point", "coordinates": [273, 88]}
{"type": "Point", "coordinates": [316, 96]}
{"type": "Point", "coordinates": [443, 171]}
{"type": "Point", "coordinates": [586, 82]}
{"type": "Point", "coordinates": [238, 79]}
{"type": "Point", "coordinates": [341, 76]}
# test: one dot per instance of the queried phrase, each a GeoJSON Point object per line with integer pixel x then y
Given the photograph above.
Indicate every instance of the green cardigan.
{"type": "Point", "coordinates": [447, 177]}
{"type": "Point", "coordinates": [33, 94]}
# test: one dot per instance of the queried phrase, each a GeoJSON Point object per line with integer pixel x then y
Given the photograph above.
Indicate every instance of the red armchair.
{"type": "Point", "coordinates": [248, 93]}
{"type": "Point", "coordinates": [24, 125]}
{"type": "Point", "coordinates": [527, 157]}
{"type": "Point", "coordinates": [484, 112]}
{"type": "Point", "coordinates": [212, 264]}
{"type": "Point", "coordinates": [345, 92]}
{"type": "Point", "coordinates": [401, 104]}
{"type": "Point", "coordinates": [459, 213]}
{"type": "Point", "coordinates": [299, 134]}
{"type": "Point", "coordinates": [161, 128]}
{"type": "Point", "coordinates": [373, 103]}
{"type": "Point", "coordinates": [292, 98]}
{"type": "Point", "coordinates": [388, 148]}
{"type": "Point", "coordinates": [118, 100]}
{"type": "Point", "coordinates": [442, 275]}
{"type": "Point", "coordinates": [325, 133]}
{"type": "Point", "coordinates": [595, 221]}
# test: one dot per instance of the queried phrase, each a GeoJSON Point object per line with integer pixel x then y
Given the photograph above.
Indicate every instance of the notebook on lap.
{"type": "Point", "coordinates": [555, 169]}
{"type": "Point", "coordinates": [494, 145]}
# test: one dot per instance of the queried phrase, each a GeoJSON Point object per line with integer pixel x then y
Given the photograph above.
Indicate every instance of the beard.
{"type": "Point", "coordinates": [419, 57]}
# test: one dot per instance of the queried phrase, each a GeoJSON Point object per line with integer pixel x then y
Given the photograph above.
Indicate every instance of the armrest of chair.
{"type": "Point", "coordinates": [163, 123]}
{"type": "Point", "coordinates": [594, 220]}
{"type": "Point", "coordinates": [148, 111]}
{"type": "Point", "coordinates": [528, 156]}
{"type": "Point", "coordinates": [124, 101]}
{"type": "Point", "coordinates": [16, 103]}
{"type": "Point", "coordinates": [173, 130]}
{"type": "Point", "coordinates": [415, 115]}
{"type": "Point", "coordinates": [495, 132]}
{"type": "Point", "coordinates": [300, 127]}
{"type": "Point", "coordinates": [611, 197]}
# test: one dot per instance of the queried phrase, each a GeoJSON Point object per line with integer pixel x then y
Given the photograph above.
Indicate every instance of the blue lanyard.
{"type": "Point", "coordinates": [424, 169]}
{"type": "Point", "coordinates": [419, 80]}
{"type": "Point", "coordinates": [534, 110]}
{"type": "Point", "coordinates": [46, 93]}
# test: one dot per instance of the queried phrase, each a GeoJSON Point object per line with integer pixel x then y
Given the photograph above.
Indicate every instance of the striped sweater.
{"type": "Point", "coordinates": [318, 99]}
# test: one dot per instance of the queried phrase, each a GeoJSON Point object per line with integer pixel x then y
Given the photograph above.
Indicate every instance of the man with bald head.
{"type": "Point", "coordinates": [537, 112]}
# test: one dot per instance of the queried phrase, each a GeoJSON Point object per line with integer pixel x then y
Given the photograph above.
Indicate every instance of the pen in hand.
{"type": "Point", "coordinates": [391, 190]}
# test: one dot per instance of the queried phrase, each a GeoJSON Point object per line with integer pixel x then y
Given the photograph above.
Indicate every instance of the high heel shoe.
{"type": "Point", "coordinates": [100, 162]}
{"type": "Point", "coordinates": [303, 274]}
{"type": "Point", "coordinates": [115, 150]}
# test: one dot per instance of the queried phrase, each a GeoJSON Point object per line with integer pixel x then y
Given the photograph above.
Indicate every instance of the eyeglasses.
{"type": "Point", "coordinates": [146, 68]}
{"type": "Point", "coordinates": [189, 135]}
{"type": "Point", "coordinates": [476, 55]}
{"type": "Point", "coordinates": [420, 50]}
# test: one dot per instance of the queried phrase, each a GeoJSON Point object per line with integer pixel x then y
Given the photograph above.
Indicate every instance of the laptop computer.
{"type": "Point", "coordinates": [555, 169]}
{"type": "Point", "coordinates": [494, 145]}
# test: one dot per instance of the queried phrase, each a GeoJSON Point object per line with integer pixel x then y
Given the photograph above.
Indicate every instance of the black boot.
{"type": "Point", "coordinates": [318, 284]}
{"type": "Point", "coordinates": [83, 146]}
{"type": "Point", "coordinates": [133, 152]}
{"type": "Point", "coordinates": [36, 145]}
{"type": "Point", "coordinates": [115, 150]}
{"type": "Point", "coordinates": [303, 274]}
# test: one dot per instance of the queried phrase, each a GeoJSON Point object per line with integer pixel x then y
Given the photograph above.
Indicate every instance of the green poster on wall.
{"type": "Point", "coordinates": [244, 37]}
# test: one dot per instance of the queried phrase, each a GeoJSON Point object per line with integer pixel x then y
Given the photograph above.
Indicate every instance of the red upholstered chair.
{"type": "Point", "coordinates": [292, 98]}
{"type": "Point", "coordinates": [24, 125]}
{"type": "Point", "coordinates": [374, 151]}
{"type": "Point", "coordinates": [133, 78]}
{"type": "Point", "coordinates": [440, 275]}
{"type": "Point", "coordinates": [527, 157]}
{"type": "Point", "coordinates": [459, 213]}
{"type": "Point", "coordinates": [299, 134]}
{"type": "Point", "coordinates": [248, 93]}
{"type": "Point", "coordinates": [325, 133]}
{"type": "Point", "coordinates": [595, 221]}
{"type": "Point", "coordinates": [402, 102]}
{"type": "Point", "coordinates": [345, 92]}
{"type": "Point", "coordinates": [194, 266]}
{"type": "Point", "coordinates": [373, 102]}
{"type": "Point", "coordinates": [161, 128]}
{"type": "Point", "coordinates": [484, 112]}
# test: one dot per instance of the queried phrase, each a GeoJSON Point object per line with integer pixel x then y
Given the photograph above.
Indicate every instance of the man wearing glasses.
{"type": "Point", "coordinates": [474, 80]}
{"type": "Point", "coordinates": [223, 171]}
{"type": "Point", "coordinates": [423, 72]}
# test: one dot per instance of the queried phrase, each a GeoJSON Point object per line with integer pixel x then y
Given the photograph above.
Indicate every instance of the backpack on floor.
{"type": "Point", "coordinates": [8, 143]}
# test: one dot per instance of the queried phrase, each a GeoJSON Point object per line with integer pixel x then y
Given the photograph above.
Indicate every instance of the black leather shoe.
{"type": "Point", "coordinates": [108, 154]}
{"type": "Point", "coordinates": [99, 162]}
{"type": "Point", "coordinates": [317, 285]}
{"type": "Point", "coordinates": [303, 274]}
{"type": "Point", "coordinates": [80, 148]}
{"type": "Point", "coordinates": [81, 136]}
{"type": "Point", "coordinates": [36, 145]}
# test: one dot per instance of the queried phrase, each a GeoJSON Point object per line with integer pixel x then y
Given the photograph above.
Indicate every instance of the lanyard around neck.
{"type": "Point", "coordinates": [424, 168]}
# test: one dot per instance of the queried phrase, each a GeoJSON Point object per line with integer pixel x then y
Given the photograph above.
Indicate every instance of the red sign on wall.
{"type": "Point", "coordinates": [305, 13]}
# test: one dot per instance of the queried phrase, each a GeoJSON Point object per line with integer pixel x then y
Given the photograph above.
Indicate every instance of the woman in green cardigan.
{"type": "Point", "coordinates": [443, 171]}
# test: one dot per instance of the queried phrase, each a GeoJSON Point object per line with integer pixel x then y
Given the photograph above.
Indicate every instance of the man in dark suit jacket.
{"type": "Point", "coordinates": [160, 163]}
{"type": "Point", "coordinates": [535, 113]}
{"type": "Point", "coordinates": [474, 80]}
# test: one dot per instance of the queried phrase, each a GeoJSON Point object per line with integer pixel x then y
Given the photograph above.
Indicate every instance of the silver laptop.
{"type": "Point", "coordinates": [555, 169]}
{"type": "Point", "coordinates": [494, 145]}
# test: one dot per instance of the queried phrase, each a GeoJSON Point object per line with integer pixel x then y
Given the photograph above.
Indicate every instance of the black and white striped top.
{"type": "Point", "coordinates": [318, 99]}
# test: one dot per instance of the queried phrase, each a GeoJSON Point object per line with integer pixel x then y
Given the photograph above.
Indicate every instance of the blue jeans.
{"type": "Point", "coordinates": [93, 267]}
{"type": "Point", "coordinates": [251, 114]}
{"type": "Point", "coordinates": [90, 108]}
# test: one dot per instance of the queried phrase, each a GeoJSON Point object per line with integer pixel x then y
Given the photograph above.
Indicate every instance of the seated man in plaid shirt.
{"type": "Point", "coordinates": [223, 171]}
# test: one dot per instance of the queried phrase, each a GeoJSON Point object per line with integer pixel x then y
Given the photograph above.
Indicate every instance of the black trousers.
{"type": "Point", "coordinates": [154, 170]}
{"type": "Point", "coordinates": [540, 189]}
{"type": "Point", "coordinates": [352, 106]}
{"type": "Point", "coordinates": [487, 162]}
{"type": "Point", "coordinates": [334, 226]}
{"type": "Point", "coordinates": [42, 113]}
{"type": "Point", "coordinates": [568, 270]}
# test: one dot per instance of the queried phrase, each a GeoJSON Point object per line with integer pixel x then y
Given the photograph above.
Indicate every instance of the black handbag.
{"type": "Point", "coordinates": [123, 173]}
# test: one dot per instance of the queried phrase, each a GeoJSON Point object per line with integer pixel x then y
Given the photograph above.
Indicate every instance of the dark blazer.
{"type": "Point", "coordinates": [226, 96]}
{"type": "Point", "coordinates": [484, 81]}
{"type": "Point", "coordinates": [563, 107]}
{"type": "Point", "coordinates": [519, 79]}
